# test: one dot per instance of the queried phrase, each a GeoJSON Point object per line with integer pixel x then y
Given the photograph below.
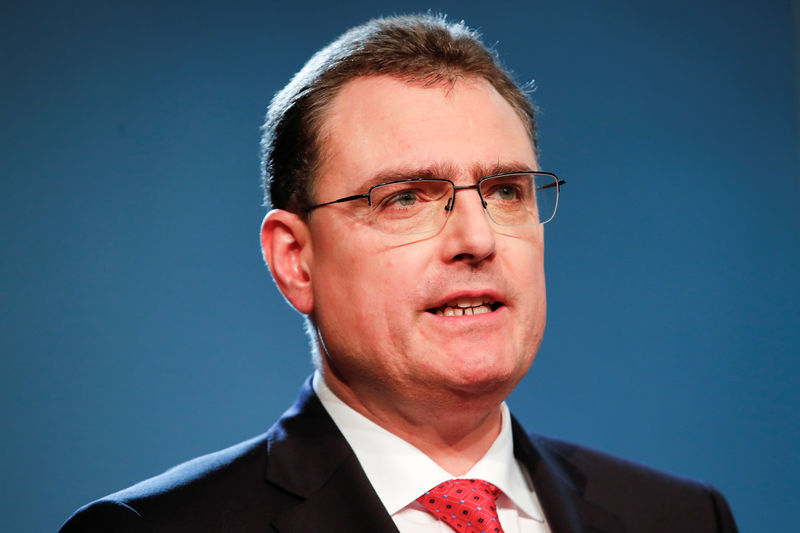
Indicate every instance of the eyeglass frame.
{"type": "Point", "coordinates": [451, 202]}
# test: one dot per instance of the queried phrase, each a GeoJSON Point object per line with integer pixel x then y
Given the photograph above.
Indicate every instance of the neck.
{"type": "Point", "coordinates": [454, 430]}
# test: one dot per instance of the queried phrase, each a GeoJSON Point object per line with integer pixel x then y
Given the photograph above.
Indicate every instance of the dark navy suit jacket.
{"type": "Point", "coordinates": [302, 477]}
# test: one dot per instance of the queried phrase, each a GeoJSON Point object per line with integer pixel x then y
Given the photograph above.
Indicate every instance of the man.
{"type": "Point", "coordinates": [407, 226]}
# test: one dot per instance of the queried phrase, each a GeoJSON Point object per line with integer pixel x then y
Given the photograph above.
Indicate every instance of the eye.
{"type": "Point", "coordinates": [505, 191]}
{"type": "Point", "coordinates": [402, 196]}
{"type": "Point", "coordinates": [405, 198]}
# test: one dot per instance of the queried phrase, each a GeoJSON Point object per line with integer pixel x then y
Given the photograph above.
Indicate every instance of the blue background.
{"type": "Point", "coordinates": [140, 328]}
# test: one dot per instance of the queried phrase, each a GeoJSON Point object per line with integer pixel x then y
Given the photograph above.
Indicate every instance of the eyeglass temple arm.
{"type": "Point", "coordinates": [340, 200]}
{"type": "Point", "coordinates": [558, 184]}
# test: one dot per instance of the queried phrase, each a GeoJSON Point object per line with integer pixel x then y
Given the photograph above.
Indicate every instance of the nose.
{"type": "Point", "coordinates": [468, 234]}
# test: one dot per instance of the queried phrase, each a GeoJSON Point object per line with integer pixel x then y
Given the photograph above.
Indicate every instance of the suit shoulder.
{"type": "Point", "coordinates": [218, 489]}
{"type": "Point", "coordinates": [227, 463]}
{"type": "Point", "coordinates": [105, 516]}
{"type": "Point", "coordinates": [633, 489]}
{"type": "Point", "coordinates": [585, 462]}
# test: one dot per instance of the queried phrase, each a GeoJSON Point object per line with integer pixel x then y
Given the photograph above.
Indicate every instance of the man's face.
{"type": "Point", "coordinates": [375, 295]}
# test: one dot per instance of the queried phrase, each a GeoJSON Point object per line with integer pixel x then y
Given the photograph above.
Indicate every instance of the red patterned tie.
{"type": "Point", "coordinates": [466, 505]}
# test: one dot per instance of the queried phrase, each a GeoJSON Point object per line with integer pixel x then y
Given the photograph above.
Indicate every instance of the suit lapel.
{"type": "Point", "coordinates": [310, 459]}
{"type": "Point", "coordinates": [560, 490]}
{"type": "Point", "coordinates": [345, 503]}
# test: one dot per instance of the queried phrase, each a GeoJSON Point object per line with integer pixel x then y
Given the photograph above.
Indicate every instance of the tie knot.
{"type": "Point", "coordinates": [466, 505]}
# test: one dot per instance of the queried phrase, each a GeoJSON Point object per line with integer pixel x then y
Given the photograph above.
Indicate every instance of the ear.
{"type": "Point", "coordinates": [286, 245]}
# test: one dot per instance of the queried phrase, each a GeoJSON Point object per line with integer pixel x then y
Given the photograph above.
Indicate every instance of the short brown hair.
{"type": "Point", "coordinates": [417, 48]}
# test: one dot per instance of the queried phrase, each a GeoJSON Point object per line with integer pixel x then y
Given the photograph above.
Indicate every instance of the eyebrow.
{"type": "Point", "coordinates": [481, 171]}
{"type": "Point", "coordinates": [446, 171]}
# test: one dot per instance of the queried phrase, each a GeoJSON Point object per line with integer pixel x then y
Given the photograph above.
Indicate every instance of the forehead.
{"type": "Point", "coordinates": [380, 124]}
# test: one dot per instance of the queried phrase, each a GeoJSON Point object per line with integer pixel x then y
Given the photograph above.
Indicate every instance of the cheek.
{"type": "Point", "coordinates": [355, 284]}
{"type": "Point", "coordinates": [524, 256]}
{"type": "Point", "coordinates": [526, 272]}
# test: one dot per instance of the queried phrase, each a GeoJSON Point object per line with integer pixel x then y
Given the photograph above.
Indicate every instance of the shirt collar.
{"type": "Point", "coordinates": [400, 472]}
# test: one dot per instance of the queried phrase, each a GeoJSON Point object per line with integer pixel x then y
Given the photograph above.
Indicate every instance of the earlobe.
{"type": "Point", "coordinates": [286, 246]}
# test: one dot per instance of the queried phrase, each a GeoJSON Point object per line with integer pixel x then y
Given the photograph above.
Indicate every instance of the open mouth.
{"type": "Point", "coordinates": [466, 307]}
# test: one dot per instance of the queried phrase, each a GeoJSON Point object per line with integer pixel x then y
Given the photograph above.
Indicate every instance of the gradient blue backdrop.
{"type": "Point", "coordinates": [140, 328]}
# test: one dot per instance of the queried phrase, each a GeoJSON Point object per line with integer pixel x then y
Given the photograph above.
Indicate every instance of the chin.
{"type": "Point", "coordinates": [486, 379]}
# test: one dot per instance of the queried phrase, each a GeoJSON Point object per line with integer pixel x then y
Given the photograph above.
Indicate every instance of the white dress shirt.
{"type": "Point", "coordinates": [400, 473]}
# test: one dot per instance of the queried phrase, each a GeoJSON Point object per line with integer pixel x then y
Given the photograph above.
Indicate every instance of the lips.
{"type": "Point", "coordinates": [466, 306]}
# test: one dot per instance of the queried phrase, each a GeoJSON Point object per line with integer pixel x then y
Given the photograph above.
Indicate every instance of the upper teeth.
{"type": "Point", "coordinates": [465, 306]}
